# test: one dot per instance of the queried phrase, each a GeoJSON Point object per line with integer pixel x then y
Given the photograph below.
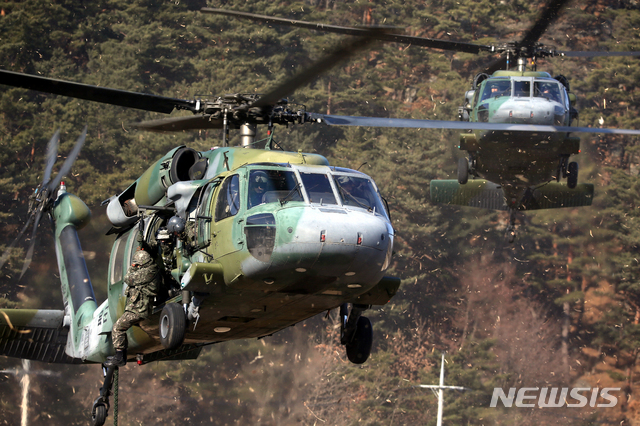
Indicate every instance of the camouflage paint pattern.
{"type": "Point", "coordinates": [322, 256]}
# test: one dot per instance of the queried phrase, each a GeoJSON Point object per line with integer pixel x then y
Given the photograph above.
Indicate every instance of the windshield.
{"type": "Point", "coordinates": [522, 89]}
{"type": "Point", "coordinates": [359, 192]}
{"type": "Point", "coordinates": [318, 188]}
{"type": "Point", "coordinates": [495, 88]}
{"type": "Point", "coordinates": [547, 90]}
{"type": "Point", "coordinates": [269, 186]}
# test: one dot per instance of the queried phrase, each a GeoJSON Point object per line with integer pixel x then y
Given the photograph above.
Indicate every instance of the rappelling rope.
{"type": "Point", "coordinates": [115, 396]}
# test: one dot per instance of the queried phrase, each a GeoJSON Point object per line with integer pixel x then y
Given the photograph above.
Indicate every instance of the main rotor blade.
{"type": "Point", "coordinates": [319, 67]}
{"type": "Point", "coordinates": [32, 243]}
{"type": "Point", "coordinates": [66, 166]}
{"type": "Point", "coordinates": [181, 123]}
{"type": "Point", "coordinates": [52, 154]}
{"type": "Point", "coordinates": [7, 252]}
{"type": "Point", "coordinates": [548, 15]}
{"type": "Point", "coordinates": [596, 54]}
{"type": "Point", "coordinates": [355, 31]}
{"type": "Point", "coordinates": [88, 92]}
{"type": "Point", "coordinates": [340, 120]}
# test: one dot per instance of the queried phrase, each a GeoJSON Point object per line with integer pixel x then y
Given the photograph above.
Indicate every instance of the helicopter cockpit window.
{"type": "Point", "coordinates": [203, 218]}
{"type": "Point", "coordinates": [318, 188]}
{"type": "Point", "coordinates": [522, 89]}
{"type": "Point", "coordinates": [359, 192]}
{"type": "Point", "coordinates": [496, 88]}
{"type": "Point", "coordinates": [547, 90]}
{"type": "Point", "coordinates": [269, 186]}
{"type": "Point", "coordinates": [228, 202]}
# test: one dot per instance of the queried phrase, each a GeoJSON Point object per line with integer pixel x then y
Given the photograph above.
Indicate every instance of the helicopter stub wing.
{"type": "Point", "coordinates": [344, 120]}
{"type": "Point", "coordinates": [484, 194]}
{"type": "Point", "coordinates": [34, 334]}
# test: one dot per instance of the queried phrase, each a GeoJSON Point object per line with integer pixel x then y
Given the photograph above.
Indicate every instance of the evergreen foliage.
{"type": "Point", "coordinates": [560, 307]}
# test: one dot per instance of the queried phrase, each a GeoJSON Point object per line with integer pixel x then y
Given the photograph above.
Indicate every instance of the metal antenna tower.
{"type": "Point", "coordinates": [438, 390]}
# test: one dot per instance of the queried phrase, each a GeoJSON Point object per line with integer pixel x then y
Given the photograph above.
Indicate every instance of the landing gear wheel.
{"type": "Point", "coordinates": [562, 167]}
{"type": "Point", "coordinates": [473, 162]}
{"type": "Point", "coordinates": [359, 349]}
{"type": "Point", "coordinates": [173, 326]}
{"type": "Point", "coordinates": [572, 175]}
{"type": "Point", "coordinates": [99, 415]}
{"type": "Point", "coordinates": [463, 170]}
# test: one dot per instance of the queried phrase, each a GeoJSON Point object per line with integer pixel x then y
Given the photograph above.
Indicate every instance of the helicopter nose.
{"type": "Point", "coordinates": [541, 111]}
{"type": "Point", "coordinates": [327, 241]}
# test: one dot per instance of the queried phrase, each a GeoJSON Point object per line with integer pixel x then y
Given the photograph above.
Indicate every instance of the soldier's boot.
{"type": "Point", "coordinates": [118, 360]}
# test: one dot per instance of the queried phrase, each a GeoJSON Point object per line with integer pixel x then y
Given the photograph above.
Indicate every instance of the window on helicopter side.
{"type": "Point", "coordinates": [117, 260]}
{"type": "Point", "coordinates": [548, 90]}
{"type": "Point", "coordinates": [495, 88]}
{"type": "Point", "coordinates": [476, 96]}
{"type": "Point", "coordinates": [318, 188]}
{"type": "Point", "coordinates": [269, 186]}
{"type": "Point", "coordinates": [203, 216]}
{"type": "Point", "coordinates": [228, 202]}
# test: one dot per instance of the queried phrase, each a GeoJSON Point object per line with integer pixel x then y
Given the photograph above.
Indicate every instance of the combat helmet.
{"type": "Point", "coordinates": [141, 258]}
{"type": "Point", "coordinates": [176, 225]}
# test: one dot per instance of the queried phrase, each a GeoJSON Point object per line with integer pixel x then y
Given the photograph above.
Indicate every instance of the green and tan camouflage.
{"type": "Point", "coordinates": [306, 247]}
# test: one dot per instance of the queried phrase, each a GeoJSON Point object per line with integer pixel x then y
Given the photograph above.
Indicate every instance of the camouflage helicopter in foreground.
{"type": "Point", "coordinates": [516, 123]}
{"type": "Point", "coordinates": [274, 237]}
{"type": "Point", "coordinates": [270, 239]}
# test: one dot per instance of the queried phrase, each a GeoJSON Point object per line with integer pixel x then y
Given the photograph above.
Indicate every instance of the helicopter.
{"type": "Point", "coordinates": [211, 304]}
{"type": "Point", "coordinates": [516, 123]}
{"type": "Point", "coordinates": [274, 238]}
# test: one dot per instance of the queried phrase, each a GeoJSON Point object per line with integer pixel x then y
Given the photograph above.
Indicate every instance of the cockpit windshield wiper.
{"type": "Point", "coordinates": [346, 195]}
{"type": "Point", "coordinates": [286, 198]}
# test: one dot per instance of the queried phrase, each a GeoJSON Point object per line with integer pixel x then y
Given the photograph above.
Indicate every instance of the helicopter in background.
{"type": "Point", "coordinates": [516, 123]}
{"type": "Point", "coordinates": [251, 241]}
{"type": "Point", "coordinates": [319, 238]}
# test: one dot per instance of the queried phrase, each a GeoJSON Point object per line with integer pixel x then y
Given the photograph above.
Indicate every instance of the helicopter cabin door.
{"type": "Point", "coordinates": [226, 235]}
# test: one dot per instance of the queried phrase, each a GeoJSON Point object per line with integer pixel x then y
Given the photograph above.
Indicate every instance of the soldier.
{"type": "Point", "coordinates": [143, 280]}
{"type": "Point", "coordinates": [258, 186]}
{"type": "Point", "coordinates": [185, 231]}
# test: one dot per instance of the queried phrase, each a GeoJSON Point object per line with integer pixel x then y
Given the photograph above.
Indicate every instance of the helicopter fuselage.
{"type": "Point", "coordinates": [309, 239]}
{"type": "Point", "coordinates": [519, 160]}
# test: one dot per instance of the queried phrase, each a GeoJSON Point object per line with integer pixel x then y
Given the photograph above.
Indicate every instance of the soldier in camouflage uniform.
{"type": "Point", "coordinates": [184, 231]}
{"type": "Point", "coordinates": [143, 280]}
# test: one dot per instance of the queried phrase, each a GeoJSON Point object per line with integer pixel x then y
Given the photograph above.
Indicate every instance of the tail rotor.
{"type": "Point", "coordinates": [44, 195]}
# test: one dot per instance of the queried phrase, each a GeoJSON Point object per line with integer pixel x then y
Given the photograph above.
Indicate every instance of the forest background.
{"type": "Point", "coordinates": [560, 307]}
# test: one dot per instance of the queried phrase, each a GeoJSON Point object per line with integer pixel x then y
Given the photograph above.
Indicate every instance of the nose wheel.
{"type": "Point", "coordinates": [356, 333]}
{"type": "Point", "coordinates": [463, 170]}
{"type": "Point", "coordinates": [568, 170]}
